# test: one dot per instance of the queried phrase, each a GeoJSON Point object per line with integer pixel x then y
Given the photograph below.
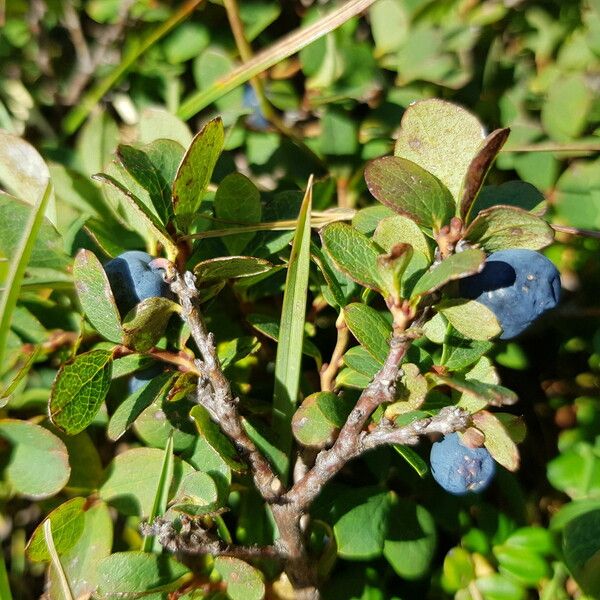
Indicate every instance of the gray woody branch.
{"type": "Point", "coordinates": [288, 506]}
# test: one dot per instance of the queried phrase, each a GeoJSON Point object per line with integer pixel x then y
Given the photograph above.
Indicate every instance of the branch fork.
{"type": "Point", "coordinates": [289, 507]}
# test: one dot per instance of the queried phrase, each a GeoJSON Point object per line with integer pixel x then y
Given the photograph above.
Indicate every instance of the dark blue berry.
{"type": "Point", "coordinates": [517, 285]}
{"type": "Point", "coordinates": [141, 378]}
{"type": "Point", "coordinates": [460, 469]}
{"type": "Point", "coordinates": [132, 279]}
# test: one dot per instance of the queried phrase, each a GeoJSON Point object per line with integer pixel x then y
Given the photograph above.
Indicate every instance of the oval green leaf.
{"type": "Point", "coordinates": [410, 190]}
{"type": "Point", "coordinates": [79, 390]}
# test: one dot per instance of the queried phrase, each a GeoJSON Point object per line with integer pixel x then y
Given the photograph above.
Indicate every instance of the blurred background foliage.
{"type": "Point", "coordinates": [533, 66]}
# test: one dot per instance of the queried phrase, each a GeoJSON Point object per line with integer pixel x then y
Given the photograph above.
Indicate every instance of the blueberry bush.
{"type": "Point", "coordinates": [299, 300]}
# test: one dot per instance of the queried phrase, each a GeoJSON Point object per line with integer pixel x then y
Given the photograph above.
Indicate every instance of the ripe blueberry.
{"type": "Point", "coordinates": [132, 279]}
{"type": "Point", "coordinates": [517, 285]}
{"type": "Point", "coordinates": [256, 119]}
{"type": "Point", "coordinates": [460, 469]}
{"type": "Point", "coordinates": [141, 378]}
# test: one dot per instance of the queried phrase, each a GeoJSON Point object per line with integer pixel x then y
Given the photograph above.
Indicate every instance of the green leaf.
{"type": "Point", "coordinates": [161, 497]}
{"type": "Point", "coordinates": [370, 328]}
{"type": "Point", "coordinates": [511, 193]}
{"type": "Point", "coordinates": [462, 352]}
{"type": "Point", "coordinates": [486, 393]}
{"type": "Point", "coordinates": [79, 390]}
{"type": "Point", "coordinates": [131, 478]}
{"type": "Point", "coordinates": [269, 327]}
{"type": "Point", "coordinates": [497, 440]}
{"type": "Point", "coordinates": [411, 539]}
{"type": "Point", "coordinates": [353, 253]}
{"type": "Point", "coordinates": [146, 322]}
{"type": "Point", "coordinates": [18, 263]}
{"type": "Point", "coordinates": [138, 164]}
{"type": "Point", "coordinates": [413, 458]}
{"type": "Point", "coordinates": [319, 418]}
{"type": "Point", "coordinates": [350, 378]}
{"type": "Point", "coordinates": [504, 227]}
{"type": "Point", "coordinates": [25, 174]}
{"type": "Point", "coordinates": [237, 202]}
{"type": "Point", "coordinates": [237, 349]}
{"type": "Point", "coordinates": [410, 394]}
{"type": "Point", "coordinates": [454, 267]}
{"type": "Point", "coordinates": [399, 229]}
{"type": "Point", "coordinates": [95, 296]}
{"type": "Point", "coordinates": [68, 521]}
{"type": "Point", "coordinates": [582, 550]}
{"type": "Point", "coordinates": [291, 328]}
{"type": "Point", "coordinates": [196, 169]}
{"type": "Point", "coordinates": [48, 247]}
{"type": "Point", "coordinates": [390, 22]}
{"type": "Point", "coordinates": [216, 439]}
{"type": "Point", "coordinates": [392, 267]}
{"type": "Point", "coordinates": [133, 406]}
{"type": "Point", "coordinates": [157, 123]}
{"type": "Point", "coordinates": [96, 142]}
{"type": "Point", "coordinates": [534, 538]}
{"type": "Point", "coordinates": [367, 219]}
{"type": "Point", "coordinates": [337, 283]}
{"type": "Point", "coordinates": [470, 318]}
{"type": "Point", "coordinates": [361, 360]}
{"type": "Point", "coordinates": [498, 587]}
{"type": "Point", "coordinates": [569, 95]}
{"type": "Point", "coordinates": [230, 267]}
{"type": "Point", "coordinates": [38, 463]}
{"type": "Point", "coordinates": [198, 494]}
{"type": "Point", "coordinates": [267, 443]}
{"type": "Point", "coordinates": [576, 471]}
{"type": "Point", "coordinates": [410, 190]}
{"type": "Point", "coordinates": [458, 570]}
{"type": "Point", "coordinates": [361, 523]}
{"type": "Point", "coordinates": [80, 563]}
{"type": "Point", "coordinates": [132, 574]}
{"type": "Point", "coordinates": [243, 581]}
{"type": "Point", "coordinates": [442, 138]}
{"type": "Point", "coordinates": [521, 564]}
{"type": "Point", "coordinates": [86, 467]}
{"type": "Point", "coordinates": [142, 212]}
{"type": "Point", "coordinates": [478, 169]}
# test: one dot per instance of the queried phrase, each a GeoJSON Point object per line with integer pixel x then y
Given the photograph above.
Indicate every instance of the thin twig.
{"type": "Point", "coordinates": [330, 370]}
{"type": "Point", "coordinates": [192, 538]}
{"type": "Point", "coordinates": [214, 390]}
{"type": "Point", "coordinates": [380, 391]}
{"type": "Point", "coordinates": [576, 231]}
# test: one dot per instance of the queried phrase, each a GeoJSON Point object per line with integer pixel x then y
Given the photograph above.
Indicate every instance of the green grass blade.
{"type": "Point", "coordinates": [78, 115]}
{"type": "Point", "coordinates": [5, 593]}
{"type": "Point", "coordinates": [284, 48]}
{"type": "Point", "coordinates": [291, 330]}
{"type": "Point", "coordinates": [18, 264]}
{"type": "Point", "coordinates": [55, 561]}
{"type": "Point", "coordinates": [150, 544]}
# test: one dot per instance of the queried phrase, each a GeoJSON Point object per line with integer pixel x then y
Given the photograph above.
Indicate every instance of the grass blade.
{"type": "Point", "coordinates": [5, 593]}
{"type": "Point", "coordinates": [78, 115]}
{"type": "Point", "coordinates": [284, 48]}
{"type": "Point", "coordinates": [150, 544]}
{"type": "Point", "coordinates": [291, 330]}
{"type": "Point", "coordinates": [18, 264]}
{"type": "Point", "coordinates": [55, 561]}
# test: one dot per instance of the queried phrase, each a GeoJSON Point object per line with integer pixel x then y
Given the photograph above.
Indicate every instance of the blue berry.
{"type": "Point", "coordinates": [460, 469]}
{"type": "Point", "coordinates": [133, 280]}
{"type": "Point", "coordinates": [141, 378]}
{"type": "Point", "coordinates": [517, 285]}
{"type": "Point", "coordinates": [256, 119]}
